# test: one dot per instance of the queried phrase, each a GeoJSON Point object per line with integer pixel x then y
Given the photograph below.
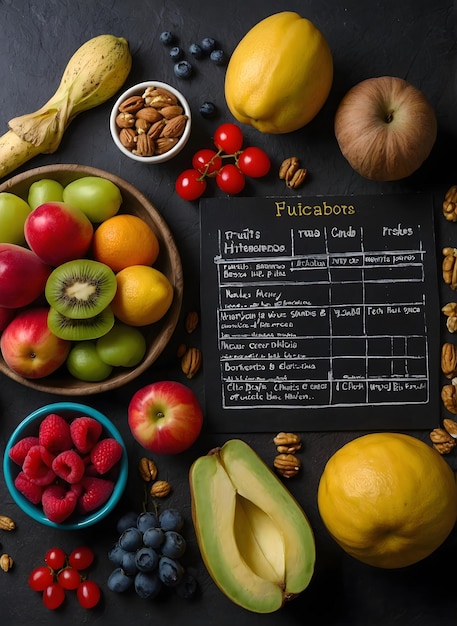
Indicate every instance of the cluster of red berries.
{"type": "Point", "coordinates": [230, 177]}
{"type": "Point", "coordinates": [66, 467]}
{"type": "Point", "coordinates": [61, 573]}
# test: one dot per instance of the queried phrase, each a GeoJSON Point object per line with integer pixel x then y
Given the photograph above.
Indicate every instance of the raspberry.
{"type": "Point", "coordinates": [48, 457]}
{"type": "Point", "coordinates": [96, 492]}
{"type": "Point", "coordinates": [85, 432]}
{"type": "Point", "coordinates": [36, 469]}
{"type": "Point", "coordinates": [69, 466]}
{"type": "Point", "coordinates": [105, 454]}
{"type": "Point", "coordinates": [29, 490]}
{"type": "Point", "coordinates": [58, 503]}
{"type": "Point", "coordinates": [18, 452]}
{"type": "Point", "coordinates": [54, 433]}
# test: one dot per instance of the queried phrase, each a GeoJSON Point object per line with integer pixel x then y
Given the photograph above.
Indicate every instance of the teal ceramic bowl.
{"type": "Point", "coordinates": [29, 427]}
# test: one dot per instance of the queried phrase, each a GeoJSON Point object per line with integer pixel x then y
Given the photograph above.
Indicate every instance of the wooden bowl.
{"type": "Point", "coordinates": [169, 262]}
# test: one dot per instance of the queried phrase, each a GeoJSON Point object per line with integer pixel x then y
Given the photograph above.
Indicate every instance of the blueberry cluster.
{"type": "Point", "coordinates": [147, 555]}
{"type": "Point", "coordinates": [208, 47]}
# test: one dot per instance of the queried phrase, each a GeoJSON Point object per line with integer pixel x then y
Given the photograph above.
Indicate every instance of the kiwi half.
{"type": "Point", "coordinates": [80, 329]}
{"type": "Point", "coordinates": [80, 289]}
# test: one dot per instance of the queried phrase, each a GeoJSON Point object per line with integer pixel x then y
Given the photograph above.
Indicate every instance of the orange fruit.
{"type": "Point", "coordinates": [143, 296]}
{"type": "Point", "coordinates": [124, 240]}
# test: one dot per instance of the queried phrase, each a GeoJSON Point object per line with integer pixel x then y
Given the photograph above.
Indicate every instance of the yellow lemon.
{"type": "Point", "coordinates": [388, 499]}
{"type": "Point", "coordinates": [280, 74]}
{"type": "Point", "coordinates": [143, 296]}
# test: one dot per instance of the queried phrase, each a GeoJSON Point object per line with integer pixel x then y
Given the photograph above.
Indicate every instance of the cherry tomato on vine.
{"type": "Point", "coordinates": [190, 185]}
{"type": "Point", "coordinates": [53, 596]}
{"type": "Point", "coordinates": [40, 578]}
{"type": "Point", "coordinates": [230, 179]}
{"type": "Point", "coordinates": [69, 578]}
{"type": "Point", "coordinates": [228, 137]}
{"type": "Point", "coordinates": [207, 162]}
{"type": "Point", "coordinates": [254, 162]}
{"type": "Point", "coordinates": [81, 557]}
{"type": "Point", "coordinates": [88, 594]}
{"type": "Point", "coordinates": [55, 558]}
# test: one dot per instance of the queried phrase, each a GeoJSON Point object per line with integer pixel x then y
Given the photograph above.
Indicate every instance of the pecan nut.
{"type": "Point", "coordinates": [287, 442]}
{"type": "Point", "coordinates": [450, 426]}
{"type": "Point", "coordinates": [442, 441]}
{"type": "Point", "coordinates": [144, 145]}
{"type": "Point", "coordinates": [191, 362]}
{"type": "Point", "coordinates": [449, 398]}
{"type": "Point", "coordinates": [158, 97]}
{"type": "Point", "coordinates": [127, 137]}
{"type": "Point", "coordinates": [449, 267]}
{"type": "Point", "coordinates": [450, 204]}
{"type": "Point", "coordinates": [160, 489]}
{"type": "Point", "coordinates": [288, 168]}
{"type": "Point", "coordinates": [449, 360]}
{"type": "Point", "coordinates": [191, 321]}
{"type": "Point", "coordinates": [6, 562]}
{"type": "Point", "coordinates": [287, 465]}
{"type": "Point", "coordinates": [131, 105]}
{"type": "Point", "coordinates": [175, 127]}
{"type": "Point", "coordinates": [297, 179]}
{"type": "Point", "coordinates": [125, 120]}
{"type": "Point", "coordinates": [6, 523]}
{"type": "Point", "coordinates": [147, 469]}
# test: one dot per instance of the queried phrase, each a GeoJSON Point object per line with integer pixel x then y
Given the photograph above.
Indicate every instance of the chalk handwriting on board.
{"type": "Point", "coordinates": [321, 314]}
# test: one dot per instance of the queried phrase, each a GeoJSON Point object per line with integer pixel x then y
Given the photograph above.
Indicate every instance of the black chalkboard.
{"type": "Point", "coordinates": [319, 313]}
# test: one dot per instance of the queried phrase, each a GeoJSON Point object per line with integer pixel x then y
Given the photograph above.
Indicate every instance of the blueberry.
{"type": "Point", "coordinates": [128, 563]}
{"type": "Point", "coordinates": [183, 69]}
{"type": "Point", "coordinates": [146, 559]}
{"type": "Point", "coordinates": [170, 571]}
{"type": "Point", "coordinates": [115, 554]}
{"type": "Point", "coordinates": [218, 57]}
{"type": "Point", "coordinates": [153, 538]}
{"type": "Point", "coordinates": [174, 545]}
{"type": "Point", "coordinates": [171, 519]}
{"type": "Point", "coordinates": [208, 44]}
{"type": "Point", "coordinates": [126, 521]}
{"type": "Point", "coordinates": [187, 587]}
{"type": "Point", "coordinates": [131, 539]}
{"type": "Point", "coordinates": [147, 585]}
{"type": "Point", "coordinates": [176, 53]}
{"type": "Point", "coordinates": [167, 38]}
{"type": "Point", "coordinates": [146, 520]}
{"type": "Point", "coordinates": [196, 51]}
{"type": "Point", "coordinates": [118, 581]}
{"type": "Point", "coordinates": [208, 109]}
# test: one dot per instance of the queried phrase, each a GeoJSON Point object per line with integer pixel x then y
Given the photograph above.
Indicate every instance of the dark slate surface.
{"type": "Point", "coordinates": [414, 40]}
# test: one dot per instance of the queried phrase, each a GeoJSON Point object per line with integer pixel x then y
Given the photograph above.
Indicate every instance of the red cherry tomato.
{"type": "Point", "coordinates": [228, 137]}
{"type": "Point", "coordinates": [40, 578]}
{"type": "Point", "coordinates": [207, 162]}
{"type": "Point", "coordinates": [69, 578]}
{"type": "Point", "coordinates": [55, 558]}
{"type": "Point", "coordinates": [81, 558]}
{"type": "Point", "coordinates": [88, 594]}
{"type": "Point", "coordinates": [190, 185]}
{"type": "Point", "coordinates": [53, 596]}
{"type": "Point", "coordinates": [254, 162]}
{"type": "Point", "coordinates": [230, 179]}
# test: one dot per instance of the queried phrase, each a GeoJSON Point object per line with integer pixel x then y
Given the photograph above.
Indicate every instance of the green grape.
{"type": "Point", "coordinates": [13, 213]}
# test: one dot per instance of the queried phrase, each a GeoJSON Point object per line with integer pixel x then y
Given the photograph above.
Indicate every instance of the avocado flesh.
{"type": "Point", "coordinates": [255, 540]}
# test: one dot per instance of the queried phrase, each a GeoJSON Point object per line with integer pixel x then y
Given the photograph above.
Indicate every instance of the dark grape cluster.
{"type": "Point", "coordinates": [147, 555]}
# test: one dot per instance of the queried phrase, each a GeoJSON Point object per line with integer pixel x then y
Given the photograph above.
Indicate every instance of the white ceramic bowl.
{"type": "Point", "coordinates": [138, 90]}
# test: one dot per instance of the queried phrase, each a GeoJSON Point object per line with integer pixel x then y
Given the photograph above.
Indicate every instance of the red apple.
{"type": "Point", "coordinates": [165, 417]}
{"type": "Point", "coordinates": [28, 346]}
{"type": "Point", "coordinates": [23, 276]}
{"type": "Point", "coordinates": [58, 232]}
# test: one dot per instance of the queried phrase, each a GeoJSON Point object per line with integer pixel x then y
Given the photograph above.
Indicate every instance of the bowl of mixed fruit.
{"type": "Point", "coordinates": [66, 465]}
{"type": "Point", "coordinates": [90, 280]}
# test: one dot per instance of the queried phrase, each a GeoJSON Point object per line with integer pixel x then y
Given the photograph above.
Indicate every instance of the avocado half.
{"type": "Point", "coordinates": [254, 537]}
